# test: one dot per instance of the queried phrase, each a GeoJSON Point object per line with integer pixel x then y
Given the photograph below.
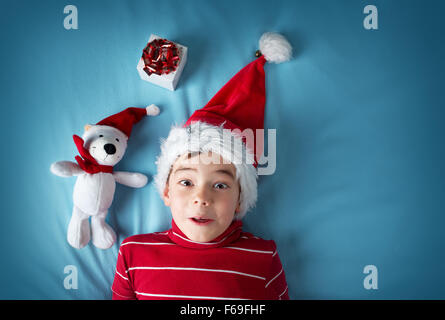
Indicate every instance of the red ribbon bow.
{"type": "Point", "coordinates": [88, 163]}
{"type": "Point", "coordinates": [160, 57]}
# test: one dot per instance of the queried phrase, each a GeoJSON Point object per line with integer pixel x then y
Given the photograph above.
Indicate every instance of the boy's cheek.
{"type": "Point", "coordinates": [176, 199]}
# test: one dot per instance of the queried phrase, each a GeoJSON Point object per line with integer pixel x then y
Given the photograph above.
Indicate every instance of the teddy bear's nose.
{"type": "Point", "coordinates": [110, 148]}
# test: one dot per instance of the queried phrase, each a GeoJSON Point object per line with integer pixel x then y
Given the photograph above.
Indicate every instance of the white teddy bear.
{"type": "Point", "coordinates": [101, 147]}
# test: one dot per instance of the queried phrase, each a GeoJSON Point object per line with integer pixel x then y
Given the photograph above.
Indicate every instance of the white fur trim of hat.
{"type": "Point", "coordinates": [203, 137]}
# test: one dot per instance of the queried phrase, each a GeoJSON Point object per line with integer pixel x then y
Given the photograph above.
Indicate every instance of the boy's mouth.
{"type": "Point", "coordinates": [201, 221]}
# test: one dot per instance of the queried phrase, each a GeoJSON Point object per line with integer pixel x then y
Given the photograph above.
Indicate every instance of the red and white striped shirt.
{"type": "Point", "coordinates": [167, 265]}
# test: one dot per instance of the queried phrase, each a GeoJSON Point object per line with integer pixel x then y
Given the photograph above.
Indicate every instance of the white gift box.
{"type": "Point", "coordinates": [170, 80]}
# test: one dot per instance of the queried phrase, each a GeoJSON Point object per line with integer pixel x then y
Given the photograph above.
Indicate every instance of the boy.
{"type": "Point", "coordinates": [207, 176]}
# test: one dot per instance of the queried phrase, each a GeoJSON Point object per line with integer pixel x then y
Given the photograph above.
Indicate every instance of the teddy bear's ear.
{"type": "Point", "coordinates": [87, 127]}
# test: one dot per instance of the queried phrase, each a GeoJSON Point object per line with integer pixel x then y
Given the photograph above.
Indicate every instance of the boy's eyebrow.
{"type": "Point", "coordinates": [183, 169]}
{"type": "Point", "coordinates": [227, 172]}
{"type": "Point", "coordinates": [223, 171]}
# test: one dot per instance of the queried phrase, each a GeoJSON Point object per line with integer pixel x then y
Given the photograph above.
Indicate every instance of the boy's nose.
{"type": "Point", "coordinates": [201, 202]}
{"type": "Point", "coordinates": [201, 198]}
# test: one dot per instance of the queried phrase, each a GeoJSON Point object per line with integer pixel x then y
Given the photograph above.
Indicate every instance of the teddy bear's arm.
{"type": "Point", "coordinates": [130, 179]}
{"type": "Point", "coordinates": [66, 169]}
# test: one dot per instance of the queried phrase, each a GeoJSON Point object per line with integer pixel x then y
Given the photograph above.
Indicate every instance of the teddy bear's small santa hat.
{"type": "Point", "coordinates": [124, 120]}
{"type": "Point", "coordinates": [237, 106]}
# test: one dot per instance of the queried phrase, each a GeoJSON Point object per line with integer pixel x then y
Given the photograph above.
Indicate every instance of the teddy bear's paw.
{"type": "Point", "coordinates": [78, 233]}
{"type": "Point", "coordinates": [103, 235]}
{"type": "Point", "coordinates": [139, 180]}
{"type": "Point", "coordinates": [63, 168]}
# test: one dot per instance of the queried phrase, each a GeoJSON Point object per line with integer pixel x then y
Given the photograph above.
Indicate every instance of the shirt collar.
{"type": "Point", "coordinates": [231, 234]}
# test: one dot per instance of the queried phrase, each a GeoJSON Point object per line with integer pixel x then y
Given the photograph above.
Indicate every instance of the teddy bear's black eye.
{"type": "Point", "coordinates": [117, 139]}
{"type": "Point", "coordinates": [101, 135]}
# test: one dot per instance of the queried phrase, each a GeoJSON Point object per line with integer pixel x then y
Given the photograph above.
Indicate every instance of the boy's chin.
{"type": "Point", "coordinates": [202, 233]}
{"type": "Point", "coordinates": [200, 237]}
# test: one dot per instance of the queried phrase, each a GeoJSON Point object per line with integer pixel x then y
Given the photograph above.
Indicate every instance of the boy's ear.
{"type": "Point", "coordinates": [238, 208]}
{"type": "Point", "coordinates": [166, 196]}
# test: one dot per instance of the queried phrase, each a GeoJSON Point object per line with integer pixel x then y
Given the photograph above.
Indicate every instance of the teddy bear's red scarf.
{"type": "Point", "coordinates": [87, 163]}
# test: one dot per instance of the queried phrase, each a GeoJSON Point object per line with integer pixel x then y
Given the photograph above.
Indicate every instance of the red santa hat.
{"type": "Point", "coordinates": [220, 126]}
{"type": "Point", "coordinates": [122, 121]}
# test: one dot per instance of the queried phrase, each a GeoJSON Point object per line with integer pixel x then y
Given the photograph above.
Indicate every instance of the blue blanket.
{"type": "Point", "coordinates": [356, 202]}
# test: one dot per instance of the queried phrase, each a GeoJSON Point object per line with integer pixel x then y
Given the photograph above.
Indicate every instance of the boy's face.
{"type": "Point", "coordinates": [203, 196]}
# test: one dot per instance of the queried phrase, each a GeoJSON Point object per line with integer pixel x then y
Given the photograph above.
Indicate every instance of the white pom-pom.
{"type": "Point", "coordinates": [275, 47]}
{"type": "Point", "coordinates": [152, 110]}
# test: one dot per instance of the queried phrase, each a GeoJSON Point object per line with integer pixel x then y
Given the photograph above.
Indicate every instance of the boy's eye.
{"type": "Point", "coordinates": [186, 183]}
{"type": "Point", "coordinates": [221, 186]}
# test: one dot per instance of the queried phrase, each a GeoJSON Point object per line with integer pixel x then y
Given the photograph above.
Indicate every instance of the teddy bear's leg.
{"type": "Point", "coordinates": [78, 229]}
{"type": "Point", "coordinates": [103, 235]}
